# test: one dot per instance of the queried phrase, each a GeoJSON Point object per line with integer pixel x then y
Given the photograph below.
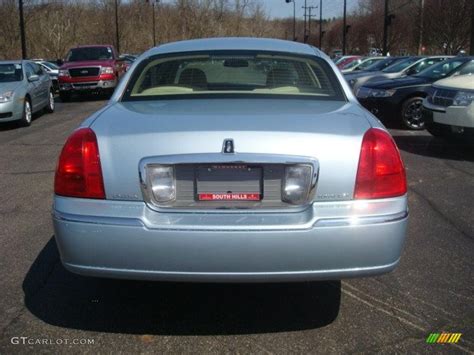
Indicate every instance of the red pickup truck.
{"type": "Point", "coordinates": [96, 68]}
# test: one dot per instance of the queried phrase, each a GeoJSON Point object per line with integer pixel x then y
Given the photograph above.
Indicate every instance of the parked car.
{"type": "Point", "coordinates": [378, 66]}
{"type": "Point", "coordinates": [89, 69]}
{"type": "Point", "coordinates": [204, 167]}
{"type": "Point", "coordinates": [52, 70]}
{"type": "Point", "coordinates": [349, 59]}
{"type": "Point", "coordinates": [24, 89]}
{"type": "Point", "coordinates": [409, 66]}
{"type": "Point", "coordinates": [373, 52]}
{"type": "Point", "coordinates": [449, 110]}
{"type": "Point", "coordinates": [401, 99]}
{"type": "Point", "coordinates": [361, 64]}
{"type": "Point", "coordinates": [336, 54]}
{"type": "Point", "coordinates": [128, 60]}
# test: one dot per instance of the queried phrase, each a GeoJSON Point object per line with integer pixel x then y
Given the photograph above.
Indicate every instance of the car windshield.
{"type": "Point", "coordinates": [367, 63]}
{"type": "Point", "coordinates": [237, 73]}
{"type": "Point", "coordinates": [50, 65]}
{"type": "Point", "coordinates": [10, 73]}
{"type": "Point", "coordinates": [352, 64]}
{"type": "Point", "coordinates": [89, 53]}
{"type": "Point", "coordinates": [466, 69]}
{"type": "Point", "coordinates": [399, 66]}
{"type": "Point", "coordinates": [381, 64]}
{"type": "Point", "coordinates": [440, 70]}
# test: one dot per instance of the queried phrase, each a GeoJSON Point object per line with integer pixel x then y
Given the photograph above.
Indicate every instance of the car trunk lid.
{"type": "Point", "coordinates": [328, 131]}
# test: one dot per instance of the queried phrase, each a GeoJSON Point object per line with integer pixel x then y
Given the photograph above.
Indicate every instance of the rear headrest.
{"type": "Point", "coordinates": [280, 77]}
{"type": "Point", "coordinates": [193, 77]}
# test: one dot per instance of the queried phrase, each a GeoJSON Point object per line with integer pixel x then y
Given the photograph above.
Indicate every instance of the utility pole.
{"type": "Point", "coordinates": [117, 39]}
{"type": "Point", "coordinates": [309, 19]}
{"type": "Point", "coordinates": [304, 32]}
{"type": "Point", "coordinates": [320, 24]}
{"type": "Point", "coordinates": [22, 30]}
{"type": "Point", "coordinates": [344, 30]}
{"type": "Point", "coordinates": [385, 29]}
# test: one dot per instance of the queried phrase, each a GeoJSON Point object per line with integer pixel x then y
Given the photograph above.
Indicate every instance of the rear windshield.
{"type": "Point", "coordinates": [10, 72]}
{"type": "Point", "coordinates": [238, 73]}
{"type": "Point", "coordinates": [89, 53]}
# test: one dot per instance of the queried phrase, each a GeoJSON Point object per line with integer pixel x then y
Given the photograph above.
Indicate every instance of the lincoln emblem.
{"type": "Point", "coordinates": [228, 146]}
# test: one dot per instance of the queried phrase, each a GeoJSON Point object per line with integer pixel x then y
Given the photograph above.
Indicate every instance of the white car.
{"type": "Point", "coordinates": [449, 110]}
{"type": "Point", "coordinates": [361, 64]}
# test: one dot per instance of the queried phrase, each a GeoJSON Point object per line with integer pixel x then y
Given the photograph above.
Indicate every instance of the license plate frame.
{"type": "Point", "coordinates": [228, 183]}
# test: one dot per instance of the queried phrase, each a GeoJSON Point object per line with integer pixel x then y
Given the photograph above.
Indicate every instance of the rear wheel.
{"type": "Point", "coordinates": [65, 96]}
{"type": "Point", "coordinates": [27, 113]}
{"type": "Point", "coordinates": [412, 116]}
{"type": "Point", "coordinates": [50, 107]}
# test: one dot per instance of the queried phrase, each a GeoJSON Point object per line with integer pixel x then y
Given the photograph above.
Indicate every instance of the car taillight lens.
{"type": "Point", "coordinates": [79, 173]}
{"type": "Point", "coordinates": [381, 173]}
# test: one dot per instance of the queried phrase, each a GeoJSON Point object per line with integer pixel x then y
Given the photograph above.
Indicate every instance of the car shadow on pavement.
{"type": "Point", "coordinates": [63, 299]}
{"type": "Point", "coordinates": [430, 146]}
{"type": "Point", "coordinates": [8, 126]}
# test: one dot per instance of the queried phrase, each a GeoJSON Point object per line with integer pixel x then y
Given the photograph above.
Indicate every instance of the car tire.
{"type": "Point", "coordinates": [412, 116]}
{"type": "Point", "coordinates": [27, 113]}
{"type": "Point", "coordinates": [65, 96]}
{"type": "Point", "coordinates": [50, 106]}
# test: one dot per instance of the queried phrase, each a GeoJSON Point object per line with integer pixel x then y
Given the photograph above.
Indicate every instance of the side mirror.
{"type": "Point", "coordinates": [33, 78]}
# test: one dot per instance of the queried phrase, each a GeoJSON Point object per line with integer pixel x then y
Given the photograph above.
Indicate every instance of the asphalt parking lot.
{"type": "Point", "coordinates": [431, 291]}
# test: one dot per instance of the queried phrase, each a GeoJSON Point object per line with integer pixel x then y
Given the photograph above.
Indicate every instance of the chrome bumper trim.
{"type": "Point", "coordinates": [318, 223]}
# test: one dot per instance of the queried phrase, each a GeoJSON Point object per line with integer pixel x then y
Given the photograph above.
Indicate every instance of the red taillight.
{"type": "Point", "coordinates": [381, 172]}
{"type": "Point", "coordinates": [79, 173]}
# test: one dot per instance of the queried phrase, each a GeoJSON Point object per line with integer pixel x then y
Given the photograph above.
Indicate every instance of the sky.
{"type": "Point", "coordinates": [331, 8]}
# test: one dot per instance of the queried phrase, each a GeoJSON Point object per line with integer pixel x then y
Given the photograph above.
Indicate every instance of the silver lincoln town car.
{"type": "Point", "coordinates": [231, 159]}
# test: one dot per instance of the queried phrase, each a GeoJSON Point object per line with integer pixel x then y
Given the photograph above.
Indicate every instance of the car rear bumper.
{"type": "Point", "coordinates": [328, 241]}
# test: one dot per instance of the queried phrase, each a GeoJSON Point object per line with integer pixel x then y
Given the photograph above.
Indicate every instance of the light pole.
{"type": "Point", "coordinates": [471, 50]}
{"type": "Point", "coordinates": [117, 39]}
{"type": "Point", "coordinates": [22, 30]}
{"type": "Point", "coordinates": [294, 17]}
{"type": "Point", "coordinates": [385, 29]}
{"type": "Point", "coordinates": [320, 24]}
{"type": "Point", "coordinates": [344, 30]}
{"type": "Point", "coordinates": [153, 2]}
